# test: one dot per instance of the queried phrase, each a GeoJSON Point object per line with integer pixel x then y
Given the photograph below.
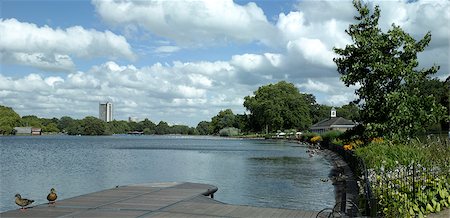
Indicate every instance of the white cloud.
{"type": "Point", "coordinates": [51, 49]}
{"type": "Point", "coordinates": [52, 80]}
{"type": "Point", "coordinates": [313, 50]}
{"type": "Point", "coordinates": [315, 86]}
{"type": "Point", "coordinates": [200, 80]}
{"type": "Point", "coordinates": [49, 62]}
{"type": "Point", "coordinates": [297, 47]}
{"type": "Point", "coordinates": [186, 22]}
{"type": "Point", "coordinates": [167, 49]}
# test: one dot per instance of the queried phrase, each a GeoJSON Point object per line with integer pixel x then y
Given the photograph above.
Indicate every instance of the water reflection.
{"type": "Point", "coordinates": [250, 172]}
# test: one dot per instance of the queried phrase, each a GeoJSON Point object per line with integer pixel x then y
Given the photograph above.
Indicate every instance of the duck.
{"type": "Point", "coordinates": [324, 180]}
{"type": "Point", "coordinates": [51, 197]}
{"type": "Point", "coordinates": [23, 202]}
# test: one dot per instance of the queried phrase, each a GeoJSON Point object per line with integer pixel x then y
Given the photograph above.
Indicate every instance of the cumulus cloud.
{"type": "Point", "coordinates": [191, 91]}
{"type": "Point", "coordinates": [51, 49]}
{"type": "Point", "coordinates": [150, 91]}
{"type": "Point", "coordinates": [48, 62]}
{"type": "Point", "coordinates": [188, 22]}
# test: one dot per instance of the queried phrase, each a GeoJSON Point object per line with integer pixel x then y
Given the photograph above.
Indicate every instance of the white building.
{"type": "Point", "coordinates": [105, 111]}
{"type": "Point", "coordinates": [332, 123]}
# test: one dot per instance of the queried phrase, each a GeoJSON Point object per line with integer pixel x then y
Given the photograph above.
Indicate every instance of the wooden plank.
{"type": "Point", "coordinates": [110, 214]}
{"type": "Point", "coordinates": [177, 215]}
{"type": "Point", "coordinates": [39, 211]}
{"type": "Point", "coordinates": [161, 200]}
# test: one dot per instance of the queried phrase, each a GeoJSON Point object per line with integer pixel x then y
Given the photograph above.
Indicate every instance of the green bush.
{"type": "Point", "coordinates": [329, 136]}
{"type": "Point", "coordinates": [229, 131]}
{"type": "Point", "coordinates": [408, 179]}
{"type": "Point", "coordinates": [307, 136]}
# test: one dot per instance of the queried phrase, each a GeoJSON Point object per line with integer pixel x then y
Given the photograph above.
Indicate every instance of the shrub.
{"type": "Point", "coordinates": [316, 139]}
{"type": "Point", "coordinates": [307, 136]}
{"type": "Point", "coordinates": [408, 179]}
{"type": "Point", "coordinates": [229, 131]}
{"type": "Point", "coordinates": [331, 135]}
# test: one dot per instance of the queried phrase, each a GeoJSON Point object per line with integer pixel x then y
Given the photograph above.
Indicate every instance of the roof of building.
{"type": "Point", "coordinates": [22, 130]}
{"type": "Point", "coordinates": [333, 121]}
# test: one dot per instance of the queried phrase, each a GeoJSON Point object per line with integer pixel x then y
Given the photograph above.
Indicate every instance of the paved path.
{"type": "Point", "coordinates": [443, 214]}
{"type": "Point", "coordinates": [152, 200]}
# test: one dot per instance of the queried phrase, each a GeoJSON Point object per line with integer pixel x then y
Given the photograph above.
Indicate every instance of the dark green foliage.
{"type": "Point", "coordinates": [8, 120]}
{"type": "Point", "coordinates": [162, 128]}
{"type": "Point", "coordinates": [278, 106]}
{"type": "Point", "coordinates": [320, 112]}
{"type": "Point", "coordinates": [384, 65]}
{"type": "Point", "coordinates": [179, 129]}
{"type": "Point", "coordinates": [329, 136]}
{"type": "Point", "coordinates": [51, 127]}
{"type": "Point", "coordinates": [307, 136]}
{"type": "Point", "coordinates": [223, 119]}
{"type": "Point", "coordinates": [440, 90]}
{"type": "Point", "coordinates": [203, 128]}
{"type": "Point", "coordinates": [147, 124]}
{"type": "Point", "coordinates": [31, 120]}
{"type": "Point", "coordinates": [64, 123]}
{"type": "Point", "coordinates": [93, 126]}
{"type": "Point", "coordinates": [75, 128]}
{"type": "Point", "coordinates": [118, 127]}
{"type": "Point", "coordinates": [192, 131]}
{"type": "Point", "coordinates": [243, 122]}
{"type": "Point", "coordinates": [349, 111]}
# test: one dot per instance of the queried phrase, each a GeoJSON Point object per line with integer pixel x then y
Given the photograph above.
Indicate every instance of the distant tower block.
{"type": "Point", "coordinates": [333, 112]}
{"type": "Point", "coordinates": [133, 119]}
{"type": "Point", "coordinates": [105, 111]}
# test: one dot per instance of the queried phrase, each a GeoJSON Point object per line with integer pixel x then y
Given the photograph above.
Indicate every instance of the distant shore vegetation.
{"type": "Point", "coordinates": [271, 108]}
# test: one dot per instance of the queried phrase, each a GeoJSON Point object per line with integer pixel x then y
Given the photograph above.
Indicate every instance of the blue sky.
{"type": "Point", "coordinates": [183, 62]}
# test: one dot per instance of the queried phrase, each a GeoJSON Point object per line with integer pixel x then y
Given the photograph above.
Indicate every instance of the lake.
{"type": "Point", "coordinates": [247, 172]}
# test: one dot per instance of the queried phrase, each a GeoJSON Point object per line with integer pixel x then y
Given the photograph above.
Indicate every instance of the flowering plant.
{"type": "Point", "coordinates": [316, 139]}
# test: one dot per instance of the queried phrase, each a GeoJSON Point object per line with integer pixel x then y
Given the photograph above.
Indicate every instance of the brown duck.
{"type": "Point", "coordinates": [51, 197]}
{"type": "Point", "coordinates": [23, 202]}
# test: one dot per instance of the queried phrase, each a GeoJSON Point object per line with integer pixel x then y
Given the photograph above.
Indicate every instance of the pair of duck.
{"type": "Point", "coordinates": [23, 202]}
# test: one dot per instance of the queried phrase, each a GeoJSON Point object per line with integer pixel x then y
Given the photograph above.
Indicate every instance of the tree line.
{"type": "Point", "coordinates": [272, 107]}
{"type": "Point", "coordinates": [86, 126]}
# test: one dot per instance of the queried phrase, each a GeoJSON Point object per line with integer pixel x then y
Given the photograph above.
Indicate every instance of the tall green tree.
{"type": "Point", "coordinates": [149, 125]}
{"type": "Point", "coordinates": [117, 127]}
{"type": "Point", "coordinates": [278, 106]}
{"type": "Point", "coordinates": [75, 127]}
{"type": "Point", "coordinates": [384, 65]}
{"type": "Point", "coordinates": [93, 126]}
{"type": "Point", "coordinates": [349, 111]}
{"type": "Point", "coordinates": [64, 123]}
{"type": "Point", "coordinates": [32, 120]}
{"type": "Point", "coordinates": [203, 128]}
{"type": "Point", "coordinates": [162, 128]}
{"type": "Point", "coordinates": [8, 120]}
{"type": "Point", "coordinates": [225, 118]}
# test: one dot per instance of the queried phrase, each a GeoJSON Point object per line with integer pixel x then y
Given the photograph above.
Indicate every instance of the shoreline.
{"type": "Point", "coordinates": [343, 181]}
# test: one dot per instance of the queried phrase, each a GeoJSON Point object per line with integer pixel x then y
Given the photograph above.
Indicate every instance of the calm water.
{"type": "Point", "coordinates": [248, 172]}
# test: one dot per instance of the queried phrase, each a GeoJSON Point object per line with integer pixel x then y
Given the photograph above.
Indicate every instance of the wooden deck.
{"type": "Point", "coordinates": [151, 200]}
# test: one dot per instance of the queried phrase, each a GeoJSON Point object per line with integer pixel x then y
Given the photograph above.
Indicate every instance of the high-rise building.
{"type": "Point", "coordinates": [105, 111]}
